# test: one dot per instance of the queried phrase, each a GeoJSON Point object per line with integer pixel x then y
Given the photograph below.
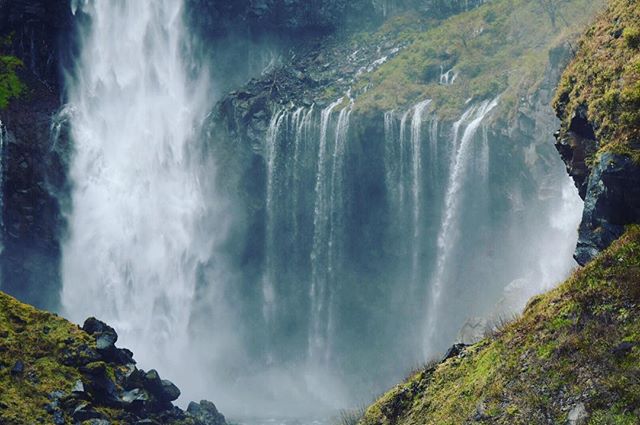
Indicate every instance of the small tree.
{"type": "Point", "coordinates": [550, 7]}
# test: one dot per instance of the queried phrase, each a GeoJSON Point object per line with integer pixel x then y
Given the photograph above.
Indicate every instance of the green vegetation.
{"type": "Point", "coordinates": [10, 84]}
{"type": "Point", "coordinates": [577, 344]}
{"type": "Point", "coordinates": [605, 78]}
{"type": "Point", "coordinates": [501, 47]}
{"type": "Point", "coordinates": [43, 343]}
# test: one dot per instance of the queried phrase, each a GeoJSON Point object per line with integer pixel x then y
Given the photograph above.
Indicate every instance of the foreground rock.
{"type": "Point", "coordinates": [52, 371]}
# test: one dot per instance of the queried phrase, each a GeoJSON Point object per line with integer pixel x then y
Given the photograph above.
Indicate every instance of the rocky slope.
{"type": "Point", "coordinates": [598, 103]}
{"type": "Point", "coordinates": [52, 371]}
{"type": "Point", "coordinates": [572, 358]}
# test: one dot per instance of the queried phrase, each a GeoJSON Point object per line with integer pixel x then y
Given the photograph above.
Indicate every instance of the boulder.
{"type": "Point", "coordinates": [578, 415]}
{"type": "Point", "coordinates": [105, 335]}
{"type": "Point", "coordinates": [170, 392]}
{"type": "Point", "coordinates": [18, 368]}
{"type": "Point", "coordinates": [84, 412]}
{"type": "Point", "coordinates": [454, 351]}
{"type": "Point", "coordinates": [134, 400]}
{"type": "Point", "coordinates": [206, 412]}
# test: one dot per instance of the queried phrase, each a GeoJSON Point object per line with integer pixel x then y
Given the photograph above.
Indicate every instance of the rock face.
{"type": "Point", "coordinates": [597, 102]}
{"type": "Point", "coordinates": [35, 31]}
{"type": "Point", "coordinates": [55, 372]}
{"type": "Point", "coordinates": [611, 202]}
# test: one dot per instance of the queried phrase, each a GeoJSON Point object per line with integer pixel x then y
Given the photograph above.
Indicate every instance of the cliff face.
{"type": "Point", "coordinates": [38, 34]}
{"type": "Point", "coordinates": [597, 102]}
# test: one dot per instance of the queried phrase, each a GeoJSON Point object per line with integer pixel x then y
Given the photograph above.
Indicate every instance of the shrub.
{"type": "Point", "coordinates": [632, 37]}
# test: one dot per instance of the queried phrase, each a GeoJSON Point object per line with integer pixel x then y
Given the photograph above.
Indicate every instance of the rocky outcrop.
{"type": "Point", "coordinates": [597, 103]}
{"type": "Point", "coordinates": [51, 371]}
{"type": "Point", "coordinates": [612, 201]}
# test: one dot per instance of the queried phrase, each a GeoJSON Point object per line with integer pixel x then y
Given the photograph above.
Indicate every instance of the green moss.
{"type": "Point", "coordinates": [559, 350]}
{"type": "Point", "coordinates": [10, 85]}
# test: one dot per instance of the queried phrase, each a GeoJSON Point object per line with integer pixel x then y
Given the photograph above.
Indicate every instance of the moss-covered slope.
{"type": "Point", "coordinates": [604, 80]}
{"type": "Point", "coordinates": [500, 47]}
{"type": "Point", "coordinates": [54, 372]}
{"type": "Point", "coordinates": [573, 355]}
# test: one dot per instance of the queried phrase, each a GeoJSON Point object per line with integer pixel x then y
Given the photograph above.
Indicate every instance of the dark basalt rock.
{"type": "Point", "coordinates": [454, 351]}
{"type": "Point", "coordinates": [141, 397]}
{"type": "Point", "coordinates": [612, 201]}
{"type": "Point", "coordinates": [206, 412]}
{"type": "Point", "coordinates": [85, 412]}
{"type": "Point", "coordinates": [106, 338]}
{"type": "Point", "coordinates": [576, 146]}
{"type": "Point", "coordinates": [623, 349]}
{"type": "Point", "coordinates": [18, 368]}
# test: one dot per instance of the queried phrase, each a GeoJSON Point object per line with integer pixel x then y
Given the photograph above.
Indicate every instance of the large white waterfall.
{"type": "Point", "coordinates": [135, 240]}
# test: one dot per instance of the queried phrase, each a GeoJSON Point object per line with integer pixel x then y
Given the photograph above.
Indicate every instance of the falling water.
{"type": "Point", "coordinates": [451, 208]}
{"type": "Point", "coordinates": [135, 243]}
{"type": "Point", "coordinates": [416, 156]}
{"type": "Point", "coordinates": [271, 152]}
{"type": "Point", "coordinates": [327, 227]}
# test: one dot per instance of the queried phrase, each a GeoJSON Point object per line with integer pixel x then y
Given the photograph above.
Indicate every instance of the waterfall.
{"type": "Point", "coordinates": [136, 240]}
{"type": "Point", "coordinates": [446, 236]}
{"type": "Point", "coordinates": [271, 153]}
{"type": "Point", "coordinates": [416, 157]}
{"type": "Point", "coordinates": [327, 223]}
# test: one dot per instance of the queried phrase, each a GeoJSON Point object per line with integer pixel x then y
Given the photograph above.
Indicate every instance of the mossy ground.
{"type": "Point", "coordinates": [50, 349]}
{"type": "Point", "coordinates": [605, 78]}
{"type": "Point", "coordinates": [501, 47]}
{"type": "Point", "coordinates": [564, 350]}
{"type": "Point", "coordinates": [39, 340]}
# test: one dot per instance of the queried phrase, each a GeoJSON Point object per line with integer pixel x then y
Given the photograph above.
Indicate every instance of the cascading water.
{"type": "Point", "coordinates": [328, 228]}
{"type": "Point", "coordinates": [446, 238]}
{"type": "Point", "coordinates": [136, 235]}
